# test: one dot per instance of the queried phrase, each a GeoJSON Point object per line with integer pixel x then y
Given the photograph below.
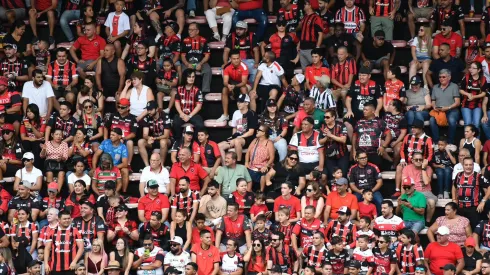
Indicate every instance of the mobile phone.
{"type": "Point", "coordinates": [405, 200]}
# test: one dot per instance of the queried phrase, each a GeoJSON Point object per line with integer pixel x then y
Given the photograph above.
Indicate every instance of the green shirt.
{"type": "Point", "coordinates": [318, 119]}
{"type": "Point", "coordinates": [227, 177]}
{"type": "Point", "coordinates": [418, 201]}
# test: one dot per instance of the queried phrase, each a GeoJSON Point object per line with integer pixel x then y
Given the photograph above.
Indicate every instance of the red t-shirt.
{"type": "Point", "coordinates": [236, 74]}
{"type": "Point", "coordinates": [149, 205]}
{"type": "Point", "coordinates": [486, 148]}
{"type": "Point", "coordinates": [75, 212]}
{"type": "Point", "coordinates": [368, 210]}
{"type": "Point", "coordinates": [196, 237]}
{"type": "Point", "coordinates": [90, 48]}
{"type": "Point", "coordinates": [206, 259]}
{"type": "Point", "coordinates": [294, 205]}
{"type": "Point", "coordinates": [454, 41]}
{"type": "Point", "coordinates": [195, 172]}
{"type": "Point", "coordinates": [251, 5]}
{"type": "Point", "coordinates": [256, 209]}
{"type": "Point", "coordinates": [439, 256]}
{"type": "Point", "coordinates": [42, 5]}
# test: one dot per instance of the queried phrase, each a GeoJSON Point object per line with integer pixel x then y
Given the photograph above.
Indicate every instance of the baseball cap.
{"type": "Point", "coordinates": [243, 98]}
{"type": "Point", "coordinates": [110, 185]}
{"type": "Point", "coordinates": [271, 102]}
{"type": "Point", "coordinates": [416, 80]}
{"type": "Point", "coordinates": [449, 267]}
{"type": "Point", "coordinates": [379, 33]}
{"type": "Point", "coordinates": [172, 270]}
{"type": "Point", "coordinates": [10, 45]}
{"type": "Point", "coordinates": [173, 26]}
{"type": "Point", "coordinates": [281, 22]}
{"type": "Point", "coordinates": [27, 184]}
{"type": "Point", "coordinates": [189, 129]}
{"type": "Point", "coordinates": [113, 265]}
{"type": "Point", "coordinates": [324, 80]}
{"type": "Point", "coordinates": [364, 70]}
{"type": "Point", "coordinates": [341, 181]}
{"type": "Point", "coordinates": [4, 81]}
{"type": "Point", "coordinates": [241, 25]}
{"type": "Point", "coordinates": [355, 264]}
{"type": "Point", "coordinates": [117, 131]}
{"type": "Point", "coordinates": [151, 105]}
{"type": "Point", "coordinates": [417, 123]}
{"type": "Point", "coordinates": [122, 207]}
{"type": "Point", "coordinates": [33, 263]}
{"type": "Point", "coordinates": [152, 184]}
{"type": "Point", "coordinates": [53, 186]}
{"type": "Point", "coordinates": [447, 23]}
{"type": "Point", "coordinates": [8, 127]}
{"type": "Point", "coordinates": [28, 155]}
{"type": "Point", "coordinates": [300, 78]}
{"type": "Point", "coordinates": [177, 239]}
{"type": "Point", "coordinates": [408, 181]}
{"type": "Point", "coordinates": [344, 210]}
{"type": "Point", "coordinates": [470, 241]}
{"type": "Point", "coordinates": [276, 268]}
{"type": "Point", "coordinates": [124, 102]}
{"type": "Point", "coordinates": [442, 230]}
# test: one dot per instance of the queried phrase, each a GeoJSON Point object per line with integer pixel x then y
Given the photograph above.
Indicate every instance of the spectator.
{"type": "Point", "coordinates": [311, 35]}
{"type": "Point", "coordinates": [29, 173]}
{"type": "Point", "coordinates": [226, 229]}
{"type": "Point", "coordinates": [471, 142]}
{"type": "Point", "coordinates": [32, 131]}
{"type": "Point", "coordinates": [308, 110]}
{"type": "Point", "coordinates": [394, 88]}
{"type": "Point", "coordinates": [63, 121]}
{"type": "Point", "coordinates": [40, 93]}
{"type": "Point", "coordinates": [449, 12]}
{"type": "Point", "coordinates": [154, 171]}
{"type": "Point", "coordinates": [157, 229]}
{"type": "Point", "coordinates": [443, 164]}
{"type": "Point", "coordinates": [20, 257]}
{"type": "Point", "coordinates": [108, 204]}
{"type": "Point", "coordinates": [169, 10]}
{"type": "Point", "coordinates": [186, 200]}
{"type": "Point", "coordinates": [140, 30]}
{"type": "Point", "coordinates": [42, 10]}
{"type": "Point", "coordinates": [71, 13]}
{"type": "Point", "coordinates": [177, 258]}
{"type": "Point", "coordinates": [139, 95]}
{"type": "Point", "coordinates": [87, 16]}
{"type": "Point", "coordinates": [260, 156]}
{"type": "Point", "coordinates": [210, 154]}
{"type": "Point", "coordinates": [385, 259]}
{"type": "Point", "coordinates": [112, 70]}
{"type": "Point", "coordinates": [377, 53]}
{"type": "Point", "coordinates": [222, 10]}
{"type": "Point", "coordinates": [396, 123]}
{"type": "Point", "coordinates": [56, 153]}
{"type": "Point", "coordinates": [410, 253]}
{"type": "Point", "coordinates": [277, 127]}
{"type": "Point", "coordinates": [252, 9]}
{"type": "Point", "coordinates": [287, 170]}
{"type": "Point", "coordinates": [124, 256]}
{"type": "Point", "coordinates": [287, 200]}
{"type": "Point", "coordinates": [343, 72]}
{"type": "Point", "coordinates": [306, 142]}
{"type": "Point", "coordinates": [284, 44]}
{"type": "Point", "coordinates": [255, 258]}
{"type": "Point", "coordinates": [315, 71]}
{"type": "Point", "coordinates": [143, 68]}
{"type": "Point", "coordinates": [418, 101]}
{"type": "Point", "coordinates": [480, 237]}
{"type": "Point", "coordinates": [230, 173]}
{"type": "Point", "coordinates": [212, 206]}
{"type": "Point", "coordinates": [79, 194]}
{"type": "Point", "coordinates": [336, 259]}
{"type": "Point", "coordinates": [156, 133]}
{"type": "Point", "coordinates": [105, 171]}
{"type": "Point", "coordinates": [445, 102]}
{"type": "Point", "coordinates": [148, 262]}
{"type": "Point", "coordinates": [342, 39]}
{"type": "Point", "coordinates": [472, 88]}
{"type": "Point", "coordinates": [12, 11]}
{"type": "Point", "coordinates": [245, 199]}
{"type": "Point", "coordinates": [48, 229]}
{"type": "Point", "coordinates": [181, 228]}
{"type": "Point", "coordinates": [339, 198]}
{"type": "Point", "coordinates": [411, 206]}
{"type": "Point", "coordinates": [388, 224]}
{"type": "Point", "coordinates": [96, 258]}
{"type": "Point", "coordinates": [382, 15]}
{"type": "Point", "coordinates": [353, 18]}
{"type": "Point", "coordinates": [462, 154]}
{"type": "Point", "coordinates": [53, 200]}
{"type": "Point", "coordinates": [187, 168]}
{"type": "Point", "coordinates": [472, 258]}
{"type": "Point", "coordinates": [303, 232]}
{"type": "Point", "coordinates": [26, 229]}
{"type": "Point", "coordinates": [195, 55]}
{"type": "Point", "coordinates": [88, 91]}
{"type": "Point", "coordinates": [169, 47]}
{"type": "Point", "coordinates": [445, 61]}
{"type": "Point", "coordinates": [126, 122]}
{"type": "Point", "coordinates": [91, 125]}
{"type": "Point", "coordinates": [422, 10]}
{"type": "Point", "coordinates": [235, 79]}
{"type": "Point", "coordinates": [446, 35]}
{"type": "Point", "coordinates": [366, 175]}
{"type": "Point", "coordinates": [117, 27]}
{"type": "Point", "coordinates": [363, 254]}
{"type": "Point", "coordinates": [16, 69]}
{"type": "Point", "coordinates": [230, 260]}
{"type": "Point", "coordinates": [188, 103]}
{"type": "Point", "coordinates": [79, 150]}
{"type": "Point", "coordinates": [324, 98]}
{"type": "Point", "coordinates": [314, 198]}
{"type": "Point", "coordinates": [88, 218]}
{"type": "Point", "coordinates": [166, 82]}
{"type": "Point", "coordinates": [291, 261]}
{"type": "Point", "coordinates": [208, 263]}
{"type": "Point", "coordinates": [153, 201]}
{"type": "Point", "coordinates": [92, 48]}
{"type": "Point", "coordinates": [420, 46]}
{"type": "Point", "coordinates": [343, 228]}
{"type": "Point", "coordinates": [459, 225]}
{"type": "Point", "coordinates": [11, 152]}
{"type": "Point", "coordinates": [11, 102]}
{"type": "Point", "coordinates": [443, 254]}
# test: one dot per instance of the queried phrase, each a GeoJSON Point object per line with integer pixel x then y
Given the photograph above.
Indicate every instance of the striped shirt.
{"type": "Point", "coordinates": [408, 257]}
{"type": "Point", "coordinates": [323, 100]}
{"type": "Point", "coordinates": [64, 247]}
{"type": "Point", "coordinates": [342, 71]}
{"type": "Point", "coordinates": [352, 18]}
{"type": "Point", "coordinates": [383, 7]}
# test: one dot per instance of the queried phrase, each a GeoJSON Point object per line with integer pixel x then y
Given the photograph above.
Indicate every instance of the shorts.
{"type": "Point", "coordinates": [376, 64]}
{"type": "Point", "coordinates": [122, 40]}
{"type": "Point", "coordinates": [61, 92]}
{"type": "Point", "coordinates": [422, 12]}
{"type": "Point", "coordinates": [264, 90]}
{"type": "Point", "coordinates": [430, 196]}
{"type": "Point", "coordinates": [19, 13]}
{"type": "Point", "coordinates": [11, 170]}
{"type": "Point", "coordinates": [308, 167]}
{"type": "Point", "coordinates": [83, 65]}
{"type": "Point", "coordinates": [161, 13]}
{"type": "Point", "coordinates": [44, 16]}
{"type": "Point", "coordinates": [236, 90]}
{"type": "Point", "coordinates": [13, 118]}
{"type": "Point", "coordinates": [415, 226]}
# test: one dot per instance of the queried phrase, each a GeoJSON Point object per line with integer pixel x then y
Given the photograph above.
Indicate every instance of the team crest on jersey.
{"type": "Point", "coordinates": [192, 170]}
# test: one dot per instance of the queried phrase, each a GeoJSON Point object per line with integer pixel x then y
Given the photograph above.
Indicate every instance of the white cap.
{"type": "Point", "coordinates": [27, 184]}
{"type": "Point", "coordinates": [28, 155]}
{"type": "Point", "coordinates": [189, 129]}
{"type": "Point", "coordinates": [300, 78]}
{"type": "Point", "coordinates": [177, 239]}
{"type": "Point", "coordinates": [442, 230]}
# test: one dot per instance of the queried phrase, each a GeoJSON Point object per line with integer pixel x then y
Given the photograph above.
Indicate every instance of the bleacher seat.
{"type": "Point", "coordinates": [399, 43]}
{"type": "Point", "coordinates": [475, 19]}
{"type": "Point", "coordinates": [213, 97]}
{"type": "Point", "coordinates": [213, 123]}
{"type": "Point", "coordinates": [216, 45]}
{"type": "Point", "coordinates": [403, 70]}
{"type": "Point", "coordinates": [66, 45]}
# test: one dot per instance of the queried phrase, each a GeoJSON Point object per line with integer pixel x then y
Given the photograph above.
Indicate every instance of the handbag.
{"type": "Point", "coordinates": [440, 117]}
{"type": "Point", "coordinates": [223, 10]}
{"type": "Point", "coordinates": [54, 166]}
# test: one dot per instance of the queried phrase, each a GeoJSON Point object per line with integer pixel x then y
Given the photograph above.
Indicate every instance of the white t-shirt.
{"type": "Point", "coordinates": [163, 178]}
{"type": "Point", "coordinates": [271, 74]}
{"type": "Point", "coordinates": [32, 176]}
{"type": "Point", "coordinates": [179, 262]}
{"type": "Point", "coordinates": [72, 178]}
{"type": "Point", "coordinates": [459, 168]}
{"type": "Point", "coordinates": [307, 153]}
{"type": "Point", "coordinates": [39, 96]}
{"type": "Point", "coordinates": [122, 22]}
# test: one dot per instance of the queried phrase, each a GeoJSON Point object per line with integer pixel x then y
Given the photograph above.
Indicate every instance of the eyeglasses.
{"type": "Point", "coordinates": [147, 244]}
{"type": "Point", "coordinates": [407, 187]}
{"type": "Point", "coordinates": [122, 107]}
{"type": "Point", "coordinates": [309, 190]}
{"type": "Point", "coordinates": [417, 160]}
{"type": "Point", "coordinates": [420, 269]}
{"type": "Point", "coordinates": [293, 159]}
{"type": "Point", "coordinates": [257, 245]}
{"type": "Point", "coordinates": [27, 160]}
{"type": "Point", "coordinates": [174, 244]}
{"type": "Point", "coordinates": [87, 107]}
{"type": "Point", "coordinates": [380, 38]}
{"type": "Point", "coordinates": [442, 76]}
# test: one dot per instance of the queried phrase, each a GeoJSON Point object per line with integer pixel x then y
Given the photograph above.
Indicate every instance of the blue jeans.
{"type": "Point", "coordinates": [191, 5]}
{"type": "Point", "coordinates": [486, 128]}
{"type": "Point", "coordinates": [251, 69]}
{"type": "Point", "coordinates": [415, 226]}
{"type": "Point", "coordinates": [377, 199]}
{"type": "Point", "coordinates": [66, 18]}
{"type": "Point", "coordinates": [420, 115]}
{"type": "Point", "coordinates": [259, 16]}
{"type": "Point", "coordinates": [281, 146]}
{"type": "Point", "coordinates": [444, 179]}
{"type": "Point", "coordinates": [452, 119]}
{"type": "Point", "coordinates": [472, 116]}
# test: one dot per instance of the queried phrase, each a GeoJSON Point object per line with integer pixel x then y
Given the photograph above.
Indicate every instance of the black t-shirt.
{"type": "Point", "coordinates": [282, 175]}
{"type": "Point", "coordinates": [470, 261]}
{"type": "Point", "coordinates": [21, 44]}
{"type": "Point", "coordinates": [21, 264]}
{"type": "Point", "coordinates": [374, 53]}
{"type": "Point", "coordinates": [455, 65]}
{"type": "Point", "coordinates": [245, 122]}
{"type": "Point", "coordinates": [345, 40]}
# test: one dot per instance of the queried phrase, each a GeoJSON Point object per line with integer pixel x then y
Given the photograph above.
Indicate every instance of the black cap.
{"type": "Point", "coordinates": [243, 98]}
{"type": "Point", "coordinates": [151, 105]}
{"type": "Point", "coordinates": [379, 33]}
{"type": "Point", "coordinates": [364, 70]}
{"type": "Point", "coordinates": [33, 263]}
{"type": "Point", "coordinates": [486, 45]}
{"type": "Point", "coordinates": [271, 102]}
{"type": "Point", "coordinates": [281, 22]}
{"type": "Point", "coordinates": [122, 207]}
{"type": "Point", "coordinates": [416, 80]}
{"type": "Point", "coordinates": [449, 267]}
{"type": "Point", "coordinates": [117, 131]}
{"type": "Point", "coordinates": [9, 45]}
{"type": "Point", "coordinates": [447, 23]}
{"type": "Point", "coordinates": [172, 270]}
{"type": "Point", "coordinates": [110, 185]}
{"type": "Point", "coordinates": [173, 26]}
{"type": "Point", "coordinates": [417, 123]}
{"type": "Point", "coordinates": [276, 268]}
{"type": "Point", "coordinates": [355, 264]}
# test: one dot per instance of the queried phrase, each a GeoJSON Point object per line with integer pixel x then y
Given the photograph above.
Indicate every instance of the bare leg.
{"type": "Point", "coordinates": [117, 45]}
{"type": "Point", "coordinates": [130, 146]}
{"type": "Point", "coordinates": [125, 179]}
{"type": "Point", "coordinates": [160, 96]}
{"type": "Point", "coordinates": [180, 20]}
{"type": "Point", "coordinates": [431, 208]}
{"type": "Point", "coordinates": [33, 21]}
{"type": "Point", "coordinates": [239, 142]}
{"type": "Point", "coordinates": [142, 150]}
{"type": "Point", "coordinates": [172, 99]}
{"type": "Point", "coordinates": [155, 22]}
{"type": "Point", "coordinates": [225, 100]}
{"type": "Point", "coordinates": [425, 69]}
{"type": "Point", "coordinates": [61, 180]}
{"type": "Point", "coordinates": [164, 144]}
{"type": "Point", "coordinates": [350, 130]}
{"type": "Point", "coordinates": [51, 22]}
{"type": "Point", "coordinates": [411, 24]}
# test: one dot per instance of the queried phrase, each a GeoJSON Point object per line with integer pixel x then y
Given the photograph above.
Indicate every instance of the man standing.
{"type": "Point", "coordinates": [13, 68]}
{"type": "Point", "coordinates": [195, 55]}
{"type": "Point", "coordinates": [229, 173]}
{"type": "Point", "coordinates": [353, 18]}
{"type": "Point", "coordinates": [366, 175]}
{"type": "Point", "coordinates": [205, 255]}
{"type": "Point", "coordinates": [411, 206]}
{"type": "Point", "coordinates": [291, 14]}
{"type": "Point", "coordinates": [382, 15]}
{"type": "Point", "coordinates": [234, 226]}
{"type": "Point", "coordinates": [92, 47]}
{"type": "Point", "coordinates": [110, 73]}
{"type": "Point", "coordinates": [63, 77]}
{"type": "Point", "coordinates": [311, 34]}
{"type": "Point", "coordinates": [63, 248]}
{"type": "Point", "coordinates": [443, 252]}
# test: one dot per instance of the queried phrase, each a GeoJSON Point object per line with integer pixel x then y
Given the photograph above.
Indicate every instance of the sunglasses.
{"type": "Point", "coordinates": [421, 269]}
{"type": "Point", "coordinates": [327, 117]}
{"type": "Point", "coordinates": [417, 160]}
{"type": "Point", "coordinates": [294, 159]}
{"type": "Point", "coordinates": [52, 192]}
{"type": "Point", "coordinates": [147, 244]}
{"type": "Point", "coordinates": [122, 107]}
{"type": "Point", "coordinates": [382, 242]}
{"type": "Point", "coordinates": [87, 107]}
{"type": "Point", "coordinates": [27, 160]}
{"type": "Point", "coordinates": [407, 187]}
{"type": "Point", "coordinates": [7, 132]}
{"type": "Point", "coordinates": [174, 244]}
{"type": "Point", "coordinates": [309, 190]}
{"type": "Point", "coordinates": [257, 245]}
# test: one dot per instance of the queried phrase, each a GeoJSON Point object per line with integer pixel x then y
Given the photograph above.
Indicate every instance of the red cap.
{"type": "Point", "coordinates": [124, 102]}
{"type": "Point", "coordinates": [314, 4]}
{"type": "Point", "coordinates": [4, 81]}
{"type": "Point", "coordinates": [8, 127]}
{"type": "Point", "coordinates": [53, 186]}
{"type": "Point", "coordinates": [470, 242]}
{"type": "Point", "coordinates": [408, 181]}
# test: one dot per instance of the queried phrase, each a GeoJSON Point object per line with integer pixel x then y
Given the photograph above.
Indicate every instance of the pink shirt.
{"type": "Point", "coordinates": [55, 153]}
{"type": "Point", "coordinates": [416, 175]}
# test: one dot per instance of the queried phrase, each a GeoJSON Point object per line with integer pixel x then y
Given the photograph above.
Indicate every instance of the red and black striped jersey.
{"type": "Point", "coordinates": [383, 7]}
{"type": "Point", "coordinates": [90, 228]}
{"type": "Point", "coordinates": [127, 124]}
{"type": "Point", "coordinates": [75, 4]}
{"type": "Point", "coordinates": [338, 261]}
{"type": "Point", "coordinates": [156, 126]}
{"type": "Point", "coordinates": [411, 144]}
{"type": "Point", "coordinates": [291, 16]}
{"type": "Point", "coordinates": [11, 99]}
{"type": "Point", "coordinates": [244, 202]}
{"type": "Point", "coordinates": [18, 230]}
{"type": "Point", "coordinates": [314, 257]}
{"type": "Point", "coordinates": [346, 231]}
{"type": "Point", "coordinates": [285, 258]}
{"type": "Point", "coordinates": [234, 229]}
{"type": "Point", "coordinates": [194, 49]}
{"type": "Point", "coordinates": [64, 246]}
{"type": "Point", "coordinates": [474, 87]}
{"type": "Point", "coordinates": [12, 4]}
{"type": "Point", "coordinates": [287, 230]}
{"type": "Point", "coordinates": [342, 71]}
{"type": "Point", "coordinates": [185, 202]}
{"type": "Point", "coordinates": [338, 130]}
{"type": "Point", "coordinates": [468, 189]}
{"type": "Point", "coordinates": [311, 25]}
{"type": "Point", "coordinates": [483, 232]}
{"type": "Point", "coordinates": [168, 46]}
{"type": "Point", "coordinates": [408, 256]}
{"type": "Point", "coordinates": [244, 44]}
{"type": "Point", "coordinates": [209, 153]}
{"type": "Point", "coordinates": [351, 18]}
{"type": "Point", "coordinates": [383, 261]}
{"type": "Point", "coordinates": [117, 229]}
{"type": "Point", "coordinates": [18, 67]}
{"type": "Point", "coordinates": [304, 230]}
{"type": "Point", "coordinates": [188, 99]}
{"type": "Point", "coordinates": [284, 47]}
{"type": "Point", "coordinates": [46, 231]}
{"type": "Point", "coordinates": [454, 14]}
{"type": "Point", "coordinates": [62, 74]}
{"type": "Point", "coordinates": [364, 257]}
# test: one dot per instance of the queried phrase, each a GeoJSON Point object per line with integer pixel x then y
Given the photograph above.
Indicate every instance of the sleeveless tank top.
{"type": "Point", "coordinates": [110, 76]}
{"type": "Point", "coordinates": [471, 147]}
{"type": "Point", "coordinates": [181, 231]}
{"type": "Point", "coordinates": [92, 267]}
{"type": "Point", "coordinates": [259, 156]}
{"type": "Point", "coordinates": [138, 102]}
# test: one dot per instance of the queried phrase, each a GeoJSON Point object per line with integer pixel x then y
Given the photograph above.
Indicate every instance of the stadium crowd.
{"type": "Point", "coordinates": [296, 188]}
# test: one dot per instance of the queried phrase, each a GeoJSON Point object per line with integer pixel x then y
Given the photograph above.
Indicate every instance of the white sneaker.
{"type": "Point", "coordinates": [446, 195]}
{"type": "Point", "coordinates": [223, 118]}
{"type": "Point", "coordinates": [158, 37]}
{"type": "Point", "coordinates": [440, 197]}
{"type": "Point", "coordinates": [192, 14]}
{"type": "Point", "coordinates": [216, 36]}
{"type": "Point", "coordinates": [179, 36]}
{"type": "Point", "coordinates": [166, 110]}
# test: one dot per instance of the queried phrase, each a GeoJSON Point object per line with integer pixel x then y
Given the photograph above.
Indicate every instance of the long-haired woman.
{"type": "Point", "coordinates": [122, 255]}
{"type": "Point", "coordinates": [421, 48]}
{"type": "Point", "coordinates": [96, 260]}
{"type": "Point", "coordinates": [313, 197]}
{"type": "Point", "coordinates": [11, 152]}
{"type": "Point", "coordinates": [254, 259]}
{"type": "Point", "coordinates": [90, 91]}
{"type": "Point", "coordinates": [80, 193]}
{"type": "Point", "coordinates": [32, 131]}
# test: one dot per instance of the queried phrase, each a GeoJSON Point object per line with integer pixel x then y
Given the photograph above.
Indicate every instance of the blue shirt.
{"type": "Point", "coordinates": [117, 153]}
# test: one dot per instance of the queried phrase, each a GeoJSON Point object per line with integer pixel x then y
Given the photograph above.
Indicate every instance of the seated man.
{"type": "Point", "coordinates": [15, 69]}
{"type": "Point", "coordinates": [63, 121]}
{"type": "Point", "coordinates": [306, 142]}
{"type": "Point", "coordinates": [316, 69]}
{"type": "Point", "coordinates": [378, 53]}
{"type": "Point", "coordinates": [156, 133]}
{"type": "Point", "coordinates": [92, 47]}
{"type": "Point", "coordinates": [168, 10]}
{"type": "Point", "coordinates": [43, 10]}
{"type": "Point", "coordinates": [342, 39]}
{"type": "Point", "coordinates": [63, 77]}
{"type": "Point", "coordinates": [453, 39]}
{"type": "Point", "coordinates": [195, 55]}
{"type": "Point", "coordinates": [148, 258]}
{"type": "Point", "coordinates": [411, 206]}
{"type": "Point", "coordinates": [210, 154]}
{"type": "Point", "coordinates": [365, 175]}
{"type": "Point", "coordinates": [155, 171]}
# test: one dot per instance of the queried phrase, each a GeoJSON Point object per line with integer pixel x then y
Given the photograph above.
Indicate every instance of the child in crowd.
{"type": "Point", "coordinates": [261, 232]}
{"type": "Point", "coordinates": [259, 208]}
{"type": "Point", "coordinates": [117, 27]}
{"type": "Point", "coordinates": [167, 81]}
{"type": "Point", "coordinates": [364, 226]}
{"type": "Point", "coordinates": [338, 256]}
{"type": "Point", "coordinates": [443, 163]}
{"type": "Point", "coordinates": [200, 221]}
{"type": "Point", "coordinates": [364, 255]}
{"type": "Point", "coordinates": [43, 56]}
{"type": "Point", "coordinates": [366, 207]}
{"type": "Point", "coordinates": [283, 225]}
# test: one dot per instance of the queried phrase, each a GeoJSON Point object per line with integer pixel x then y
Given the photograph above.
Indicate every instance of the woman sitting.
{"type": "Point", "coordinates": [80, 194]}
{"type": "Point", "coordinates": [55, 152]}
{"type": "Point", "coordinates": [287, 170]}
{"type": "Point", "coordinates": [278, 127]}
{"type": "Point", "coordinates": [313, 197]}
{"type": "Point", "coordinates": [242, 197]}
{"type": "Point", "coordinates": [231, 261]}
{"type": "Point", "coordinates": [139, 95]}
{"type": "Point", "coordinates": [92, 123]}
{"type": "Point", "coordinates": [26, 229]}
{"type": "Point", "coordinates": [471, 142]}
{"type": "Point", "coordinates": [260, 157]}
{"type": "Point", "coordinates": [11, 151]}
{"type": "Point", "coordinates": [458, 226]}
{"type": "Point", "coordinates": [89, 92]}
{"type": "Point", "coordinates": [79, 174]}
{"type": "Point", "coordinates": [421, 48]}
{"type": "Point", "coordinates": [79, 151]}
{"type": "Point", "coordinates": [108, 203]}
{"type": "Point", "coordinates": [473, 88]}
{"type": "Point", "coordinates": [32, 132]}
{"type": "Point", "coordinates": [122, 255]}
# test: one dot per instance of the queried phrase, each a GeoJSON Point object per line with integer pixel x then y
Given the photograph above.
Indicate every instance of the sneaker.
{"type": "Point", "coordinates": [192, 14]}
{"type": "Point", "coordinates": [166, 110]}
{"type": "Point", "coordinates": [51, 43]}
{"type": "Point", "coordinates": [440, 197]}
{"type": "Point", "coordinates": [396, 195]}
{"type": "Point", "coordinates": [157, 38]}
{"type": "Point", "coordinates": [446, 195]}
{"type": "Point", "coordinates": [216, 36]}
{"type": "Point", "coordinates": [223, 39]}
{"type": "Point", "coordinates": [223, 118]}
